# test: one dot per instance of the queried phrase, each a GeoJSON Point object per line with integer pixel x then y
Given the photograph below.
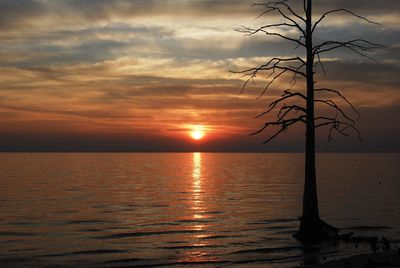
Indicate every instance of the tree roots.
{"type": "Point", "coordinates": [313, 231]}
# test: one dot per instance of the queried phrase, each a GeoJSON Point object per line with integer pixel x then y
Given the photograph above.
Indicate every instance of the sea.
{"type": "Point", "coordinates": [188, 209]}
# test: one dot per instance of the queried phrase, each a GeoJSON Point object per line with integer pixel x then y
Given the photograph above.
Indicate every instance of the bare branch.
{"type": "Point", "coordinates": [337, 125]}
{"type": "Point", "coordinates": [341, 10]}
{"type": "Point", "coordinates": [362, 44]}
{"type": "Point", "coordinates": [284, 124]}
{"type": "Point", "coordinates": [251, 31]}
{"type": "Point", "coordinates": [276, 6]}
{"type": "Point", "coordinates": [332, 104]}
{"type": "Point", "coordinates": [272, 66]}
{"type": "Point", "coordinates": [358, 46]}
{"type": "Point", "coordinates": [293, 13]}
{"type": "Point", "coordinates": [341, 96]}
{"type": "Point", "coordinates": [297, 72]}
{"type": "Point", "coordinates": [285, 110]}
{"type": "Point", "coordinates": [286, 95]}
{"type": "Point", "coordinates": [270, 83]}
{"type": "Point", "coordinates": [320, 63]}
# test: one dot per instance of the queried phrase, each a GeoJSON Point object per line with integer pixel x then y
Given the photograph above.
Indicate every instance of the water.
{"type": "Point", "coordinates": [204, 209]}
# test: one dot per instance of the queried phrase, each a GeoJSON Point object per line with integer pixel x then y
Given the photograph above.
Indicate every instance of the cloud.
{"type": "Point", "coordinates": [119, 69]}
{"type": "Point", "coordinates": [20, 13]}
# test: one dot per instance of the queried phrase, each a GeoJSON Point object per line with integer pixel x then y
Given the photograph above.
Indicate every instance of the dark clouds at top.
{"type": "Point", "coordinates": [19, 13]}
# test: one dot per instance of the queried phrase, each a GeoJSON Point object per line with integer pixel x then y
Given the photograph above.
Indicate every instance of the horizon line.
{"type": "Point", "coordinates": [189, 151]}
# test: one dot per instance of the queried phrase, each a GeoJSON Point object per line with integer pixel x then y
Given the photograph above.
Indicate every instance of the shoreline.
{"type": "Point", "coordinates": [380, 259]}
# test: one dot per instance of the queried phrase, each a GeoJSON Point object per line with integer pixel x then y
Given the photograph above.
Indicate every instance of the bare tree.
{"type": "Point", "coordinates": [302, 102]}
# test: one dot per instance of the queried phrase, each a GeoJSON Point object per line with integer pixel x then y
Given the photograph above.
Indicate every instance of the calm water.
{"type": "Point", "coordinates": [200, 209]}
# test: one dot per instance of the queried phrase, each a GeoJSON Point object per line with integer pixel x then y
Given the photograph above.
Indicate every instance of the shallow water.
{"type": "Point", "coordinates": [205, 209]}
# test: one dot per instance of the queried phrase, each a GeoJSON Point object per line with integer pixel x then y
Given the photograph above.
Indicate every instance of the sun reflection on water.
{"type": "Point", "coordinates": [198, 208]}
{"type": "Point", "coordinates": [197, 187]}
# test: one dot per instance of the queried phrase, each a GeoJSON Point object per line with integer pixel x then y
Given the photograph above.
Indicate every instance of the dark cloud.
{"type": "Point", "coordinates": [379, 74]}
{"type": "Point", "coordinates": [365, 6]}
{"type": "Point", "coordinates": [16, 13]}
{"type": "Point", "coordinates": [19, 13]}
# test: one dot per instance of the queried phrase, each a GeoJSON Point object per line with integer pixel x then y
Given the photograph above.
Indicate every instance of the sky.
{"type": "Point", "coordinates": [139, 75]}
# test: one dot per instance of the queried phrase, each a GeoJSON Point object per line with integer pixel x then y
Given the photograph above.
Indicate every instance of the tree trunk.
{"type": "Point", "coordinates": [310, 200]}
{"type": "Point", "coordinates": [312, 229]}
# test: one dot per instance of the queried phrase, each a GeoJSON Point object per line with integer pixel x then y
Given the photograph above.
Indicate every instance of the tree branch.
{"type": "Point", "coordinates": [332, 104]}
{"type": "Point", "coordinates": [251, 31]}
{"type": "Point", "coordinates": [358, 46]}
{"type": "Point", "coordinates": [275, 6]}
{"type": "Point", "coordinates": [284, 125]}
{"type": "Point", "coordinates": [340, 10]}
{"type": "Point", "coordinates": [341, 96]}
{"type": "Point", "coordinates": [286, 95]}
{"type": "Point", "coordinates": [272, 65]}
{"type": "Point", "coordinates": [285, 110]}
{"type": "Point", "coordinates": [337, 125]}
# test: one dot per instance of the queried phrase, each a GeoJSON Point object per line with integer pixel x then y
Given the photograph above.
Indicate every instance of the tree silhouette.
{"type": "Point", "coordinates": [302, 104]}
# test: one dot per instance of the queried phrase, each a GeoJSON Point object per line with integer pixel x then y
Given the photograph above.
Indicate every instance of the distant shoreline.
{"type": "Point", "coordinates": [382, 259]}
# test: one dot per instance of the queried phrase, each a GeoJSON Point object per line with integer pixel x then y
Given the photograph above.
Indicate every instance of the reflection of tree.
{"type": "Point", "coordinates": [295, 107]}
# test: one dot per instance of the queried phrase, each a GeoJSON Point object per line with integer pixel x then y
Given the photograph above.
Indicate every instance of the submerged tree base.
{"type": "Point", "coordinates": [315, 230]}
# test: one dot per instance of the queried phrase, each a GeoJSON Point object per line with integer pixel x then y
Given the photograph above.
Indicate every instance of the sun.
{"type": "Point", "coordinates": [197, 134]}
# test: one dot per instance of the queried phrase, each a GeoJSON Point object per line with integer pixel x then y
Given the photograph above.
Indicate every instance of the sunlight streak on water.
{"type": "Point", "coordinates": [197, 186]}
{"type": "Point", "coordinates": [198, 208]}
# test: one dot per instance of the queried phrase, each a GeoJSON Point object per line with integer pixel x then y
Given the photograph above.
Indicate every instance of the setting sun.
{"type": "Point", "coordinates": [197, 134]}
